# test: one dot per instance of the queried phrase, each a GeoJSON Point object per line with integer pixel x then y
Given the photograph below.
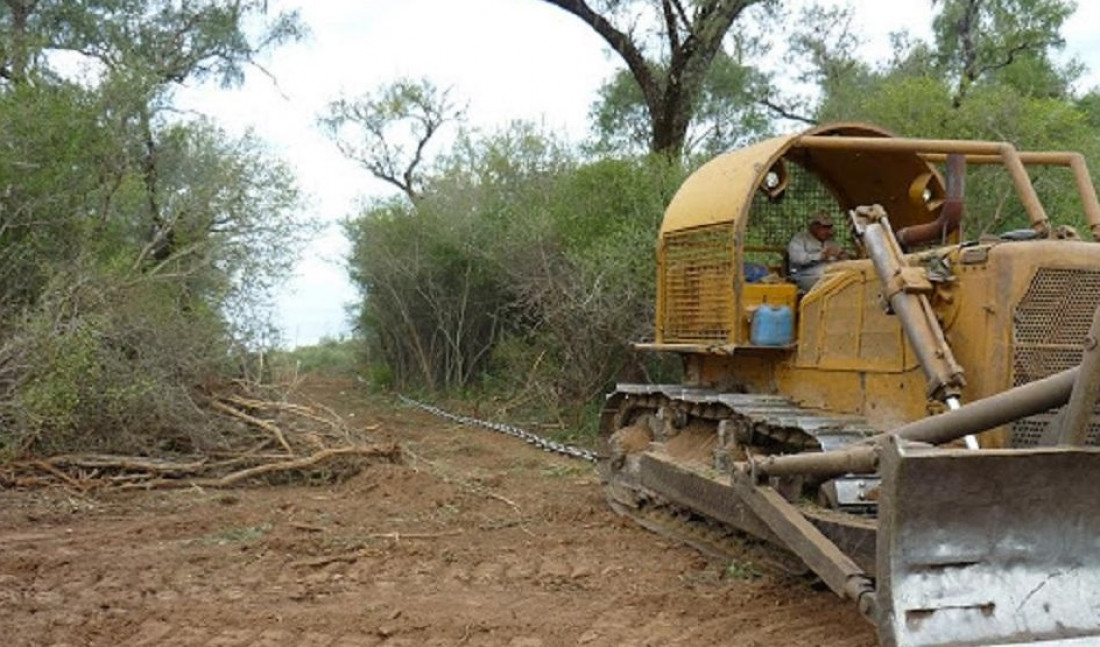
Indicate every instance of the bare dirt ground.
{"type": "Point", "coordinates": [475, 539]}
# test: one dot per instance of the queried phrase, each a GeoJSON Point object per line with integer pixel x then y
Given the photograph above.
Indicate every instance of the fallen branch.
{"type": "Point", "coordinates": [332, 420]}
{"type": "Point", "coordinates": [252, 403]}
{"type": "Point", "coordinates": [65, 478]}
{"type": "Point", "coordinates": [390, 452]}
{"type": "Point", "coordinates": [125, 463]}
{"type": "Point", "coordinates": [262, 424]}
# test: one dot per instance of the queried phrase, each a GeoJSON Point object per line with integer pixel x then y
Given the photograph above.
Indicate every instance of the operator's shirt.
{"type": "Point", "coordinates": [805, 255]}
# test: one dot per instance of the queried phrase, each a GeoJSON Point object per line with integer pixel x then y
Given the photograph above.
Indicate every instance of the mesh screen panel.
{"type": "Point", "coordinates": [698, 285]}
{"type": "Point", "coordinates": [772, 223]}
{"type": "Point", "coordinates": [1049, 327]}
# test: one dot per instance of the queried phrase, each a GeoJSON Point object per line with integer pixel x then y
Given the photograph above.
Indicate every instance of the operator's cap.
{"type": "Point", "coordinates": [823, 219]}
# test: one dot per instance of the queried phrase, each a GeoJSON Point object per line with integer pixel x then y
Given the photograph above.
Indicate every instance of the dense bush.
{"type": "Point", "coordinates": [336, 357]}
{"type": "Point", "coordinates": [521, 269]}
{"type": "Point", "coordinates": [138, 247]}
{"type": "Point", "coordinates": [99, 365]}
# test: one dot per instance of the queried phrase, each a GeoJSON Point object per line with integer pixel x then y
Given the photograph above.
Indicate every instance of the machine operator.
{"type": "Point", "coordinates": [811, 249]}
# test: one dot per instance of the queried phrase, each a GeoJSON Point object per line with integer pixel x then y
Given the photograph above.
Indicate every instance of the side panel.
{"type": "Point", "coordinates": [696, 286]}
{"type": "Point", "coordinates": [1024, 309]}
{"type": "Point", "coordinates": [843, 326]}
{"type": "Point", "coordinates": [852, 355]}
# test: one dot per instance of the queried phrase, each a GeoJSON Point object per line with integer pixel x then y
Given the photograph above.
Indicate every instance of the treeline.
{"type": "Point", "coordinates": [137, 247]}
{"type": "Point", "coordinates": [520, 267]}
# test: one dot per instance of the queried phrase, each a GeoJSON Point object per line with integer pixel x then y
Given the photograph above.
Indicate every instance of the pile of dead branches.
{"type": "Point", "coordinates": [273, 441]}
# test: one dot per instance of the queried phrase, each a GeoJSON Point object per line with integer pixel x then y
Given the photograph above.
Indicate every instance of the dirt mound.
{"type": "Point", "coordinates": [474, 539]}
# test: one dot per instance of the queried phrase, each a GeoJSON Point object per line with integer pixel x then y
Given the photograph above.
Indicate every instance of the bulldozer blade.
{"type": "Point", "coordinates": [992, 547]}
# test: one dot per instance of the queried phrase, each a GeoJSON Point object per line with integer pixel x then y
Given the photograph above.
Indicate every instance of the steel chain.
{"type": "Point", "coordinates": [538, 441]}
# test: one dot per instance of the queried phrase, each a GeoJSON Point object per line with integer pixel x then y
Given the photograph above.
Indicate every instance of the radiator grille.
{"type": "Point", "coordinates": [698, 285]}
{"type": "Point", "coordinates": [1049, 328]}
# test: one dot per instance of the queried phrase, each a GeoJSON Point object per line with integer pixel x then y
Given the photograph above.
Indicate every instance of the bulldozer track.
{"type": "Point", "coordinates": [711, 537]}
{"type": "Point", "coordinates": [757, 417]}
{"type": "Point", "coordinates": [684, 472]}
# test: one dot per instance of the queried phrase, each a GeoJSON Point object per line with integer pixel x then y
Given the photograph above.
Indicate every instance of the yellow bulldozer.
{"type": "Point", "coordinates": [919, 425]}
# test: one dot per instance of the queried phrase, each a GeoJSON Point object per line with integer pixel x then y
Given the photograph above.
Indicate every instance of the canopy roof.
{"type": "Point", "coordinates": [722, 190]}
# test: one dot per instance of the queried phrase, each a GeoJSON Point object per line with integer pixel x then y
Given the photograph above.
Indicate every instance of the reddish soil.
{"type": "Point", "coordinates": [476, 539]}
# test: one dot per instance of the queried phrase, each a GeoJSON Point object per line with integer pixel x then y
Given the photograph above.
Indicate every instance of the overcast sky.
{"type": "Point", "coordinates": [508, 59]}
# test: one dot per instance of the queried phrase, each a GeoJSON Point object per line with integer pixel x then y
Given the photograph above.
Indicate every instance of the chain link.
{"type": "Point", "coordinates": [538, 441]}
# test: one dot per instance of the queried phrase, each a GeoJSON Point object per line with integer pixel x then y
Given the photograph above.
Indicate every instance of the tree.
{"type": "Point", "coordinates": [164, 41]}
{"type": "Point", "coordinates": [730, 111]}
{"type": "Point", "coordinates": [137, 246]}
{"type": "Point", "coordinates": [143, 49]}
{"type": "Point", "coordinates": [668, 47]}
{"type": "Point", "coordinates": [989, 74]}
{"type": "Point", "coordinates": [980, 39]}
{"type": "Point", "coordinates": [518, 267]}
{"type": "Point", "coordinates": [388, 131]}
{"type": "Point", "coordinates": [822, 51]}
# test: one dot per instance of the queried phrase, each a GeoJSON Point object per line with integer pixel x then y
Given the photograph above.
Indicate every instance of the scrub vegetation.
{"type": "Point", "coordinates": [139, 244]}
{"type": "Point", "coordinates": [516, 269]}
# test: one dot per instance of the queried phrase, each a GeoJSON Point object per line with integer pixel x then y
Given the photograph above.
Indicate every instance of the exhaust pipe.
{"type": "Point", "coordinates": [951, 212]}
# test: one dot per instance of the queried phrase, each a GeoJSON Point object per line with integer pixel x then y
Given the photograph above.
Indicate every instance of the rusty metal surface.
{"type": "Point", "coordinates": [1005, 151]}
{"type": "Point", "coordinates": [912, 307]}
{"type": "Point", "coordinates": [839, 571]}
{"type": "Point", "coordinates": [700, 493]}
{"type": "Point", "coordinates": [716, 499]}
{"type": "Point", "coordinates": [975, 417]}
{"type": "Point", "coordinates": [722, 189]}
{"type": "Point", "coordinates": [995, 547]}
{"type": "Point", "coordinates": [1048, 327]}
{"type": "Point", "coordinates": [1074, 420]}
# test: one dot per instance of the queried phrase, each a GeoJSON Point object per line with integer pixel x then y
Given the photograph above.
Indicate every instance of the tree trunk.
{"type": "Point", "coordinates": [17, 66]}
{"type": "Point", "coordinates": [692, 42]}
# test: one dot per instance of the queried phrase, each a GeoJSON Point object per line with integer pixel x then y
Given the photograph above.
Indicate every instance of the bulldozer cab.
{"type": "Point", "coordinates": [722, 253]}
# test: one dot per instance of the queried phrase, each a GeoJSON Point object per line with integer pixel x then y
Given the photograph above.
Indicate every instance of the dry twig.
{"type": "Point", "coordinates": [262, 424]}
{"type": "Point", "coordinates": [320, 436]}
{"type": "Point", "coordinates": [389, 452]}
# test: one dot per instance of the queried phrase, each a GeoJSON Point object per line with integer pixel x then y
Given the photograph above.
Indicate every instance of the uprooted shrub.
{"type": "Point", "coordinates": [100, 365]}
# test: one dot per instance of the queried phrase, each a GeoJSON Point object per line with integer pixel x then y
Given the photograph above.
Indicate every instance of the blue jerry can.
{"type": "Point", "coordinates": [772, 326]}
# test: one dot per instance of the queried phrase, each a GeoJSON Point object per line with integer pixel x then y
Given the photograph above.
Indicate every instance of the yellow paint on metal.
{"type": "Point", "coordinates": [721, 190]}
{"type": "Point", "coordinates": [850, 354]}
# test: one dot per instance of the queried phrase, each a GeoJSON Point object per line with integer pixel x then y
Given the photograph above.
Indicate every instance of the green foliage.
{"type": "Point", "coordinates": [107, 365]}
{"type": "Point", "coordinates": [139, 250]}
{"type": "Point", "coordinates": [159, 40]}
{"type": "Point", "coordinates": [726, 114]}
{"type": "Point", "coordinates": [1004, 41]}
{"type": "Point", "coordinates": [520, 269]}
{"type": "Point", "coordinates": [329, 356]}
